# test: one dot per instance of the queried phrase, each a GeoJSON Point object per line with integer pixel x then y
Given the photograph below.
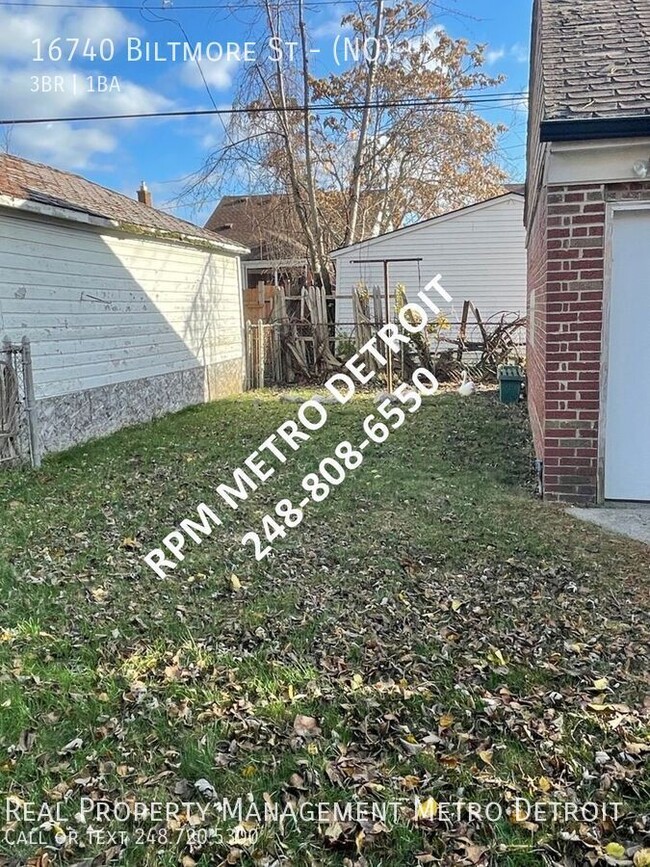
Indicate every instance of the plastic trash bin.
{"type": "Point", "coordinates": [511, 378]}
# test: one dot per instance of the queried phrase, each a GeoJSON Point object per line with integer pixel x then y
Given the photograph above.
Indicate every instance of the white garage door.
{"type": "Point", "coordinates": [627, 429]}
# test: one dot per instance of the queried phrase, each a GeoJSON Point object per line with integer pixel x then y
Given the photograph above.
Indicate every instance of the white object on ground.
{"type": "Point", "coordinates": [466, 387]}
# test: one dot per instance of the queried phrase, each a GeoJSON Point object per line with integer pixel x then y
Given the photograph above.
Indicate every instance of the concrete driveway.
{"type": "Point", "coordinates": [631, 521]}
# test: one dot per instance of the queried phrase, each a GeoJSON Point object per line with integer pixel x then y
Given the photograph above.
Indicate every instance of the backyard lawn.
{"type": "Point", "coordinates": [430, 639]}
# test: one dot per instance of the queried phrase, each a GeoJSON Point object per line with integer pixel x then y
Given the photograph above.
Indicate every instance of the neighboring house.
{"type": "Point", "coordinates": [131, 313]}
{"type": "Point", "coordinates": [269, 227]}
{"type": "Point", "coordinates": [479, 250]}
{"type": "Point", "coordinates": [588, 219]}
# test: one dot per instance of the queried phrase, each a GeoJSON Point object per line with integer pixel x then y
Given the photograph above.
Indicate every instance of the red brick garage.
{"type": "Point", "coordinates": [588, 219]}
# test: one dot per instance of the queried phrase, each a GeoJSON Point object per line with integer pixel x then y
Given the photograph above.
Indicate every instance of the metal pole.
{"type": "Point", "coordinates": [249, 356]}
{"type": "Point", "coordinates": [389, 369]}
{"type": "Point", "coordinates": [30, 403]}
{"type": "Point", "coordinates": [262, 345]}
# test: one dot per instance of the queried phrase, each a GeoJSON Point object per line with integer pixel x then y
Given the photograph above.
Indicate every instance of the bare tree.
{"type": "Point", "coordinates": [407, 143]}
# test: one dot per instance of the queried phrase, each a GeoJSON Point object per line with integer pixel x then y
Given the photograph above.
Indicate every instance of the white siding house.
{"type": "Point", "coordinates": [480, 251]}
{"type": "Point", "coordinates": [126, 320]}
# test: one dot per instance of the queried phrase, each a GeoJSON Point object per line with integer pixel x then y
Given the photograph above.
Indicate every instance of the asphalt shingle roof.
{"type": "Point", "coordinates": [267, 224]}
{"type": "Point", "coordinates": [595, 58]}
{"type": "Point", "coordinates": [22, 179]}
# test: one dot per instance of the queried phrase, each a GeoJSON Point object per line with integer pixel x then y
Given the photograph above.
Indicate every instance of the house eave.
{"type": "Point", "coordinates": [56, 212]}
{"type": "Point", "coordinates": [594, 128]}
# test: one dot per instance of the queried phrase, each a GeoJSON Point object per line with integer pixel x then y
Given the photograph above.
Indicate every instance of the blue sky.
{"type": "Point", "coordinates": [120, 154]}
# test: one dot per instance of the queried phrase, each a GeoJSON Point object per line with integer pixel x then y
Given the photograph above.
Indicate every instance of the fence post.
{"type": "Point", "coordinates": [30, 402]}
{"type": "Point", "coordinates": [247, 352]}
{"type": "Point", "coordinates": [262, 359]}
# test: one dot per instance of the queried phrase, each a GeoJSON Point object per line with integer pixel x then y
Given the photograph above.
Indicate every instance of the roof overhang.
{"type": "Point", "coordinates": [594, 128]}
{"type": "Point", "coordinates": [271, 264]}
{"type": "Point", "coordinates": [56, 212]}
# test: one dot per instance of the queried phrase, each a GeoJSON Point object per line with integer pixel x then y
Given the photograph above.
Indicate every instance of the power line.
{"type": "Point", "coordinates": [193, 7]}
{"type": "Point", "coordinates": [157, 18]}
{"type": "Point", "coordinates": [490, 101]}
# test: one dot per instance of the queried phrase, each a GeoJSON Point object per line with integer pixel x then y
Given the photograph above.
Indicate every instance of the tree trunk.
{"type": "Point", "coordinates": [357, 166]}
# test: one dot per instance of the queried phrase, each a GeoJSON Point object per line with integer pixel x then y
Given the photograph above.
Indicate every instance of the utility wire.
{"type": "Point", "coordinates": [311, 4]}
{"type": "Point", "coordinates": [155, 18]}
{"type": "Point", "coordinates": [351, 106]}
{"type": "Point", "coordinates": [229, 6]}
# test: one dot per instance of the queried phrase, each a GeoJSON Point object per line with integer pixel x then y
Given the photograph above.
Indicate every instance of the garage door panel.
{"type": "Point", "coordinates": [627, 427]}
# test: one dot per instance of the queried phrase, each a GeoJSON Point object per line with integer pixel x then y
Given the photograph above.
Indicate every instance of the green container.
{"type": "Point", "coordinates": [511, 378]}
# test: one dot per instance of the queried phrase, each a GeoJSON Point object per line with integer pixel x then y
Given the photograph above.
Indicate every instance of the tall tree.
{"type": "Point", "coordinates": [407, 143]}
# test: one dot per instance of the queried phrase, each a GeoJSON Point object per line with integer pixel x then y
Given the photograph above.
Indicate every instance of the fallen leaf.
{"type": "Point", "coordinates": [74, 744]}
{"type": "Point", "coordinates": [496, 657]}
{"type": "Point", "coordinates": [235, 583]}
{"type": "Point", "coordinates": [206, 789]}
{"type": "Point", "coordinates": [26, 741]}
{"type": "Point", "coordinates": [635, 749]}
{"type": "Point", "coordinates": [305, 726]}
{"type": "Point", "coordinates": [426, 810]}
{"type": "Point", "coordinates": [615, 850]}
{"type": "Point", "coordinates": [410, 781]}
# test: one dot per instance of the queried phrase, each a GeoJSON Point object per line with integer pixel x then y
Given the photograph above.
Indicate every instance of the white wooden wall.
{"type": "Point", "coordinates": [101, 309]}
{"type": "Point", "coordinates": [480, 252]}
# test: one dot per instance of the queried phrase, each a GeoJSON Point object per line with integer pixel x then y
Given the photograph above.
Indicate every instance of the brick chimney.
{"type": "Point", "coordinates": [144, 195]}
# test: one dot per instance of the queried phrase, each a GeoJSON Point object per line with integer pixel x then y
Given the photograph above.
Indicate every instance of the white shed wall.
{"type": "Point", "coordinates": [480, 252]}
{"type": "Point", "coordinates": [101, 309]}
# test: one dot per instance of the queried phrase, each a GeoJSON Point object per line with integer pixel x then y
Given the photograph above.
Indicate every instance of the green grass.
{"type": "Point", "coordinates": [443, 628]}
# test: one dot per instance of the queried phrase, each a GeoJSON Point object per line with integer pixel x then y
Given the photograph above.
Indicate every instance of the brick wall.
{"type": "Point", "coordinates": [566, 270]}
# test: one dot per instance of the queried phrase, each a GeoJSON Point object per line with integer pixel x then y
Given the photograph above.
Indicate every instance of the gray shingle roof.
{"type": "Point", "coordinates": [595, 58]}
{"type": "Point", "coordinates": [22, 179]}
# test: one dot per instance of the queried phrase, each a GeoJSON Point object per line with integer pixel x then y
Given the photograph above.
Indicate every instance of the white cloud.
{"type": "Point", "coordinates": [218, 73]}
{"type": "Point", "coordinates": [516, 52]}
{"type": "Point", "coordinates": [20, 27]}
{"type": "Point", "coordinates": [331, 26]}
{"type": "Point", "coordinates": [69, 94]}
{"type": "Point", "coordinates": [432, 36]}
{"type": "Point", "coordinates": [72, 96]}
{"type": "Point", "coordinates": [213, 130]}
{"type": "Point", "coordinates": [494, 55]}
{"type": "Point", "coordinates": [519, 52]}
{"type": "Point", "coordinates": [61, 144]}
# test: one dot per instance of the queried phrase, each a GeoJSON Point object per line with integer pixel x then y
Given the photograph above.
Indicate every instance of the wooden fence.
{"type": "Point", "coordinates": [302, 344]}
